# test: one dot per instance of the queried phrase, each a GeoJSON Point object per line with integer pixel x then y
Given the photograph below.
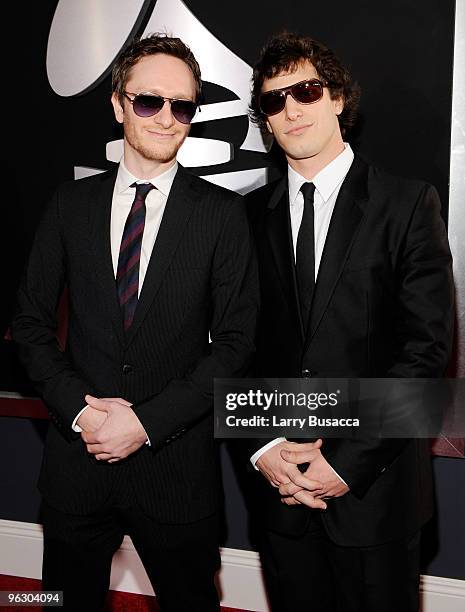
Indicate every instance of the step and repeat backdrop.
{"type": "Point", "coordinates": [58, 124]}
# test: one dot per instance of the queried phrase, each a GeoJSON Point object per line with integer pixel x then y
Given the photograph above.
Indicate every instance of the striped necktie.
{"type": "Point", "coordinates": [127, 277]}
{"type": "Point", "coordinates": [305, 254]}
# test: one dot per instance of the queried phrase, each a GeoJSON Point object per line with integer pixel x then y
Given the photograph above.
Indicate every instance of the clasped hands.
{"type": "Point", "coordinates": [311, 488]}
{"type": "Point", "coordinates": [110, 428]}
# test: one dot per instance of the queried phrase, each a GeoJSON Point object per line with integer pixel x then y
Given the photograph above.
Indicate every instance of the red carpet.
{"type": "Point", "coordinates": [117, 601]}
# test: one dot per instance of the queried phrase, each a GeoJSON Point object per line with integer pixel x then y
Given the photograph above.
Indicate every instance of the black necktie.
{"type": "Point", "coordinates": [305, 254]}
{"type": "Point", "coordinates": [127, 277]}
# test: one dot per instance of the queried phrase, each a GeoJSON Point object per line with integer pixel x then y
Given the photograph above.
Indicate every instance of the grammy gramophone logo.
{"type": "Point", "coordinates": [87, 35]}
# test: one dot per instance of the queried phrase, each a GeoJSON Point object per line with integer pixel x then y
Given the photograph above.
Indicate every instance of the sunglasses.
{"type": "Point", "coordinates": [306, 92]}
{"type": "Point", "coordinates": [147, 105]}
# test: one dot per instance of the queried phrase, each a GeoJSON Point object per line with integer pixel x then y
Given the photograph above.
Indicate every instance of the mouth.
{"type": "Point", "coordinates": [298, 129]}
{"type": "Point", "coordinates": [160, 135]}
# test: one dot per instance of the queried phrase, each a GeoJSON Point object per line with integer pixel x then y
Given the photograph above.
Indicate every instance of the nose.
{"type": "Point", "coordinates": [164, 116]}
{"type": "Point", "coordinates": [292, 108]}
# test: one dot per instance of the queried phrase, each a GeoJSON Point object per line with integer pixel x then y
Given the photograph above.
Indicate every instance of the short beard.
{"type": "Point", "coordinates": [155, 153]}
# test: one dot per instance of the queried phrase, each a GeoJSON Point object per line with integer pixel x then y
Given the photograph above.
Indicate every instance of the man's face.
{"type": "Point", "coordinates": [157, 138]}
{"type": "Point", "coordinates": [306, 131]}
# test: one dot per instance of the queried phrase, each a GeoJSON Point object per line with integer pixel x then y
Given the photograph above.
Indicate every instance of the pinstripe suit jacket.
{"type": "Point", "coordinates": [201, 278]}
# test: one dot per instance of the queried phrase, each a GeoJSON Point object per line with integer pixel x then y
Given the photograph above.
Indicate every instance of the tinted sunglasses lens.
{"type": "Point", "coordinates": [272, 102]}
{"type": "Point", "coordinates": [307, 92]}
{"type": "Point", "coordinates": [183, 110]}
{"type": "Point", "coordinates": [146, 106]}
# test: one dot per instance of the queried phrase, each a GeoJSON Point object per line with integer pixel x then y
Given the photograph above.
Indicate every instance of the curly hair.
{"type": "Point", "coordinates": [151, 45]}
{"type": "Point", "coordinates": [283, 53]}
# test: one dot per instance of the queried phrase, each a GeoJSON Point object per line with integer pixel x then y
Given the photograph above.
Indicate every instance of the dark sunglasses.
{"type": "Point", "coordinates": [306, 92]}
{"type": "Point", "coordinates": [147, 105]}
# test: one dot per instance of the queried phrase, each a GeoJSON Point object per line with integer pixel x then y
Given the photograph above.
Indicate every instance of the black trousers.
{"type": "Point", "coordinates": [312, 574]}
{"type": "Point", "coordinates": [180, 560]}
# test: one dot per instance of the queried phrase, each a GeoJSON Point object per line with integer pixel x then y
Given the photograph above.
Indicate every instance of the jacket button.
{"type": "Point", "coordinates": [306, 374]}
{"type": "Point", "coordinates": [127, 369]}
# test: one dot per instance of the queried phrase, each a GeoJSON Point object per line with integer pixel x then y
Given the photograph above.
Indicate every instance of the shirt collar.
{"type": "Point", "coordinates": [326, 180]}
{"type": "Point", "coordinates": [162, 182]}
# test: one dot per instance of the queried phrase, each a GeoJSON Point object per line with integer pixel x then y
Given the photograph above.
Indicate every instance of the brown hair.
{"type": "Point", "coordinates": [283, 53]}
{"type": "Point", "coordinates": [153, 44]}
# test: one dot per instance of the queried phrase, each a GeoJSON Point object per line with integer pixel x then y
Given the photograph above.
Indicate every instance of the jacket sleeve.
{"type": "Point", "coordinates": [34, 327]}
{"type": "Point", "coordinates": [234, 299]}
{"type": "Point", "coordinates": [423, 332]}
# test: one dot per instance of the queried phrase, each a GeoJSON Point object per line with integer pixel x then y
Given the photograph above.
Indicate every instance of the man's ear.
{"type": "Point", "coordinates": [339, 105]}
{"type": "Point", "coordinates": [268, 127]}
{"type": "Point", "coordinates": [117, 108]}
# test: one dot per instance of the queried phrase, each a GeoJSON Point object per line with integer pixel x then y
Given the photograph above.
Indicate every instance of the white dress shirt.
{"type": "Point", "coordinates": [327, 185]}
{"type": "Point", "coordinates": [155, 202]}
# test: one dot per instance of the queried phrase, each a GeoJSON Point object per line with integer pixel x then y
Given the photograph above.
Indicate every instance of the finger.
{"type": "Point", "coordinates": [95, 402]}
{"type": "Point", "coordinates": [309, 446]}
{"type": "Point", "coordinates": [289, 489]}
{"type": "Point", "coordinates": [104, 456]}
{"type": "Point", "coordinates": [336, 492]}
{"type": "Point", "coordinates": [309, 500]}
{"type": "Point", "coordinates": [90, 399]}
{"type": "Point", "coordinates": [322, 495]}
{"type": "Point", "coordinates": [88, 437]}
{"type": "Point", "coordinates": [304, 482]}
{"type": "Point", "coordinates": [298, 456]}
{"type": "Point", "coordinates": [274, 481]}
{"type": "Point", "coordinates": [92, 437]}
{"type": "Point", "coordinates": [120, 400]}
{"type": "Point", "coordinates": [303, 446]}
{"type": "Point", "coordinates": [333, 490]}
{"type": "Point", "coordinates": [290, 501]}
{"type": "Point", "coordinates": [271, 478]}
{"type": "Point", "coordinates": [123, 401]}
{"type": "Point", "coordinates": [96, 449]}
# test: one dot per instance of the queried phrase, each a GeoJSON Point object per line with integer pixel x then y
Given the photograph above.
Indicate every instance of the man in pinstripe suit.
{"type": "Point", "coordinates": [154, 260]}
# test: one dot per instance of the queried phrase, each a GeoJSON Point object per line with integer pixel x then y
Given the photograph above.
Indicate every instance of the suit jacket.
{"type": "Point", "coordinates": [201, 279]}
{"type": "Point", "coordinates": [382, 307]}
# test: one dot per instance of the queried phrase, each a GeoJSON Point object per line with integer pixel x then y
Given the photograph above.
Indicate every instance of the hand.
{"type": "Point", "coordinates": [280, 473]}
{"type": "Point", "coordinates": [120, 435]}
{"type": "Point", "coordinates": [92, 419]}
{"type": "Point", "coordinates": [319, 469]}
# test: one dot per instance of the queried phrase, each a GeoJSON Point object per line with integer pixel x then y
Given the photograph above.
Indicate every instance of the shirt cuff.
{"type": "Point", "coordinates": [74, 425]}
{"type": "Point", "coordinates": [256, 456]}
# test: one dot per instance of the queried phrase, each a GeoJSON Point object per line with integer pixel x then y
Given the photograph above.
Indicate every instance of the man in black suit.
{"type": "Point", "coordinates": [355, 274]}
{"type": "Point", "coordinates": [154, 260]}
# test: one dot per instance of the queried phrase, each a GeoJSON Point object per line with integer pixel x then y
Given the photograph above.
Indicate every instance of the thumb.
{"type": "Point", "coordinates": [298, 457]}
{"type": "Point", "coordinates": [304, 446]}
{"type": "Point", "coordinates": [95, 402]}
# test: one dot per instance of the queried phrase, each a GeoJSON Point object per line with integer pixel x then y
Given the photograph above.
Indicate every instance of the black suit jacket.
{"type": "Point", "coordinates": [201, 278]}
{"type": "Point", "coordinates": [382, 307]}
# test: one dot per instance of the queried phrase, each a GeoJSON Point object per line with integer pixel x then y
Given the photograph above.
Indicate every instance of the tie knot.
{"type": "Point", "coordinates": [142, 189]}
{"type": "Point", "coordinates": [308, 189]}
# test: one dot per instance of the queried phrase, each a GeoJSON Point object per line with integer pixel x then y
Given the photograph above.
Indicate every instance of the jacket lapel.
{"type": "Point", "coordinates": [279, 232]}
{"type": "Point", "coordinates": [177, 211]}
{"type": "Point", "coordinates": [100, 207]}
{"type": "Point", "coordinates": [345, 222]}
